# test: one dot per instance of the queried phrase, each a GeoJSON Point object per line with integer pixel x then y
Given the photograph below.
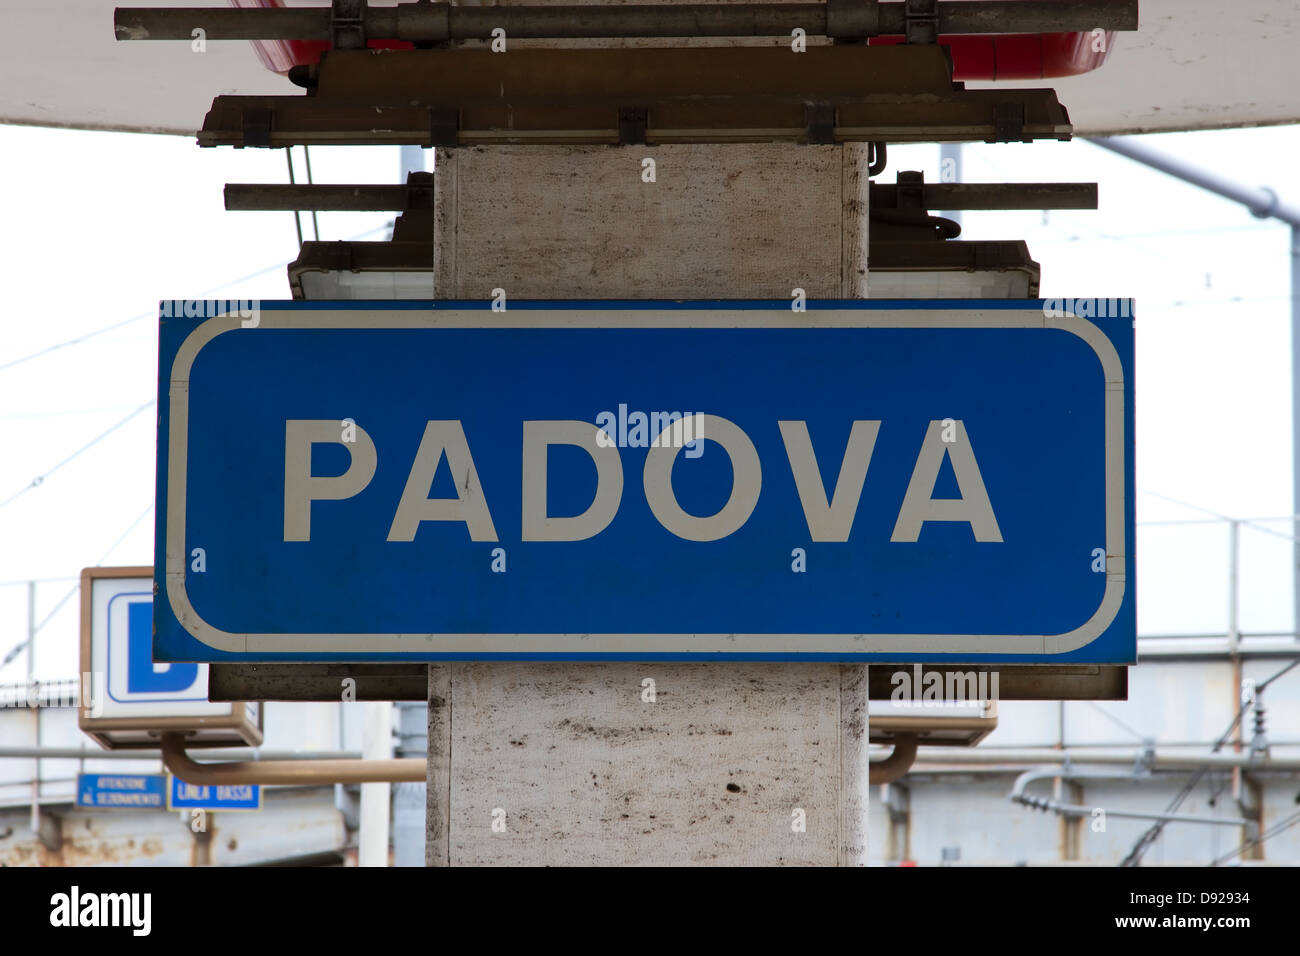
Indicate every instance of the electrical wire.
{"type": "Point", "coordinates": [1145, 841]}
{"type": "Point", "coordinates": [1272, 831]}
{"type": "Point", "coordinates": [1107, 714]}
{"type": "Point", "coordinates": [14, 652]}
{"type": "Point", "coordinates": [154, 314]}
{"type": "Point", "coordinates": [1209, 511]}
{"type": "Point", "coordinates": [40, 479]}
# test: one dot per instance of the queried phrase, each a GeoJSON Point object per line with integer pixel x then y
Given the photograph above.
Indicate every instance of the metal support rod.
{"type": "Point", "coordinates": [297, 216]}
{"type": "Point", "coordinates": [1263, 203]}
{"type": "Point", "coordinates": [440, 22]}
{"type": "Point", "coordinates": [263, 197]}
{"type": "Point", "coordinates": [950, 172]}
{"type": "Point", "coordinates": [315, 224]}
{"type": "Point", "coordinates": [1158, 760]}
{"type": "Point", "coordinates": [36, 714]}
{"type": "Point", "coordinates": [1018, 795]}
{"type": "Point", "coordinates": [1295, 411]}
{"type": "Point", "coordinates": [290, 772]}
{"type": "Point", "coordinates": [897, 763]}
{"type": "Point", "coordinates": [82, 754]}
{"type": "Point", "coordinates": [998, 196]}
{"type": "Point", "coordinates": [1234, 623]}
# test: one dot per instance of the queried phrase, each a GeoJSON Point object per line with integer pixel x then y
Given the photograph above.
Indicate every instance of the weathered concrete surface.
{"type": "Point", "coordinates": [566, 222]}
{"type": "Point", "coordinates": [577, 766]}
{"type": "Point", "coordinates": [580, 768]}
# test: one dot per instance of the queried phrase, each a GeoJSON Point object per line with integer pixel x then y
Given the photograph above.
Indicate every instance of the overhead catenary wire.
{"type": "Point", "coordinates": [1111, 717]}
{"type": "Point", "coordinates": [154, 314]}
{"type": "Point", "coordinates": [1249, 522]}
{"type": "Point", "coordinates": [1149, 837]}
{"type": "Point", "coordinates": [1272, 831]}
{"type": "Point", "coordinates": [14, 651]}
{"type": "Point", "coordinates": [40, 479]}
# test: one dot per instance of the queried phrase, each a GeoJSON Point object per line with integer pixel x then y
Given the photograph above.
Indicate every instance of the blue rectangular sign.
{"type": "Point", "coordinates": [229, 796]}
{"type": "Point", "coordinates": [121, 791]}
{"type": "Point", "coordinates": [860, 481]}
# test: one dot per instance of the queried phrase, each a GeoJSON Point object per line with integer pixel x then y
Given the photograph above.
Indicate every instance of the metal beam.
{"type": "Point", "coordinates": [286, 772]}
{"type": "Point", "coordinates": [426, 23]}
{"type": "Point", "coordinates": [992, 195]}
{"type": "Point", "coordinates": [357, 198]}
{"type": "Point", "coordinates": [325, 682]}
{"type": "Point", "coordinates": [838, 94]}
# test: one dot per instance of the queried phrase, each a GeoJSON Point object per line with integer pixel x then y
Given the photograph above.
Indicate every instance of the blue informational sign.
{"type": "Point", "coordinates": [228, 796]}
{"type": "Point", "coordinates": [121, 791]}
{"type": "Point", "coordinates": [857, 481]}
{"type": "Point", "coordinates": [132, 677]}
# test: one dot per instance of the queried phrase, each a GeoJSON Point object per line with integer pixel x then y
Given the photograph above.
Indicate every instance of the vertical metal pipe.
{"type": "Point", "coordinates": [297, 216]}
{"type": "Point", "coordinates": [1234, 553]}
{"type": "Point", "coordinates": [315, 224]}
{"type": "Point", "coordinates": [1295, 413]}
{"type": "Point", "coordinates": [35, 710]}
{"type": "Point", "coordinates": [950, 172]}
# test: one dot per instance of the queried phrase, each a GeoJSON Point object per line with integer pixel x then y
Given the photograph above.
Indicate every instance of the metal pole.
{"type": "Point", "coordinates": [1295, 414]}
{"type": "Point", "coordinates": [1263, 203]}
{"type": "Point", "coordinates": [950, 172]}
{"type": "Point", "coordinates": [35, 710]}
{"type": "Point", "coordinates": [439, 22]}
{"type": "Point", "coordinates": [295, 773]}
{"type": "Point", "coordinates": [1234, 625]}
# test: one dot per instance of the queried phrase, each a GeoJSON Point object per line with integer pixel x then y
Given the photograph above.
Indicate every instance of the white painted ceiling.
{"type": "Point", "coordinates": [1195, 64]}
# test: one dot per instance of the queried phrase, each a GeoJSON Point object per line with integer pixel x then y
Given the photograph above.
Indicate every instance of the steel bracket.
{"type": "Point", "coordinates": [921, 21]}
{"type": "Point", "coordinates": [256, 125]}
{"type": "Point", "coordinates": [348, 24]}
{"type": "Point", "coordinates": [819, 118]}
{"type": "Point", "coordinates": [632, 122]}
{"type": "Point", "coordinates": [852, 19]}
{"type": "Point", "coordinates": [1009, 123]}
{"type": "Point", "coordinates": [444, 126]}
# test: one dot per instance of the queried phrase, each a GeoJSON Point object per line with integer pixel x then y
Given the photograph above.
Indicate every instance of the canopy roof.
{"type": "Point", "coordinates": [1195, 64]}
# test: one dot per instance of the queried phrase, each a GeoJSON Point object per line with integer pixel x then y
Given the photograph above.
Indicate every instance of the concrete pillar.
{"type": "Point", "coordinates": [569, 763]}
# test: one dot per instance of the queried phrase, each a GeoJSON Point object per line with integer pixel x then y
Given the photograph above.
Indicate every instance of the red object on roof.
{"type": "Point", "coordinates": [1022, 56]}
{"type": "Point", "coordinates": [1025, 56]}
{"type": "Point", "coordinates": [279, 56]}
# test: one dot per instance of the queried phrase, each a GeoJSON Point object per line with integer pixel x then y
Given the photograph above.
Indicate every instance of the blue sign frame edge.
{"type": "Point", "coordinates": [174, 643]}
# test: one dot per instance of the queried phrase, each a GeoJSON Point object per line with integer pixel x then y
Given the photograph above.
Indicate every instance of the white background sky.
{"type": "Point", "coordinates": [99, 226]}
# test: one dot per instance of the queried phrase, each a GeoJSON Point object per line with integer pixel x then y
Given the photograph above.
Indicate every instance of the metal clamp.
{"type": "Point", "coordinates": [921, 21]}
{"type": "Point", "coordinates": [1009, 123]}
{"type": "Point", "coordinates": [256, 124]}
{"type": "Point", "coordinates": [852, 19]}
{"type": "Point", "coordinates": [632, 121]}
{"type": "Point", "coordinates": [910, 190]}
{"type": "Point", "coordinates": [819, 118]}
{"type": "Point", "coordinates": [877, 156]}
{"type": "Point", "coordinates": [444, 126]}
{"type": "Point", "coordinates": [348, 24]}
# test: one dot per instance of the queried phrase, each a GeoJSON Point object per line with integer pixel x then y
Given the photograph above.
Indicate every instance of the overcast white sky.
{"type": "Point", "coordinates": [100, 226]}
